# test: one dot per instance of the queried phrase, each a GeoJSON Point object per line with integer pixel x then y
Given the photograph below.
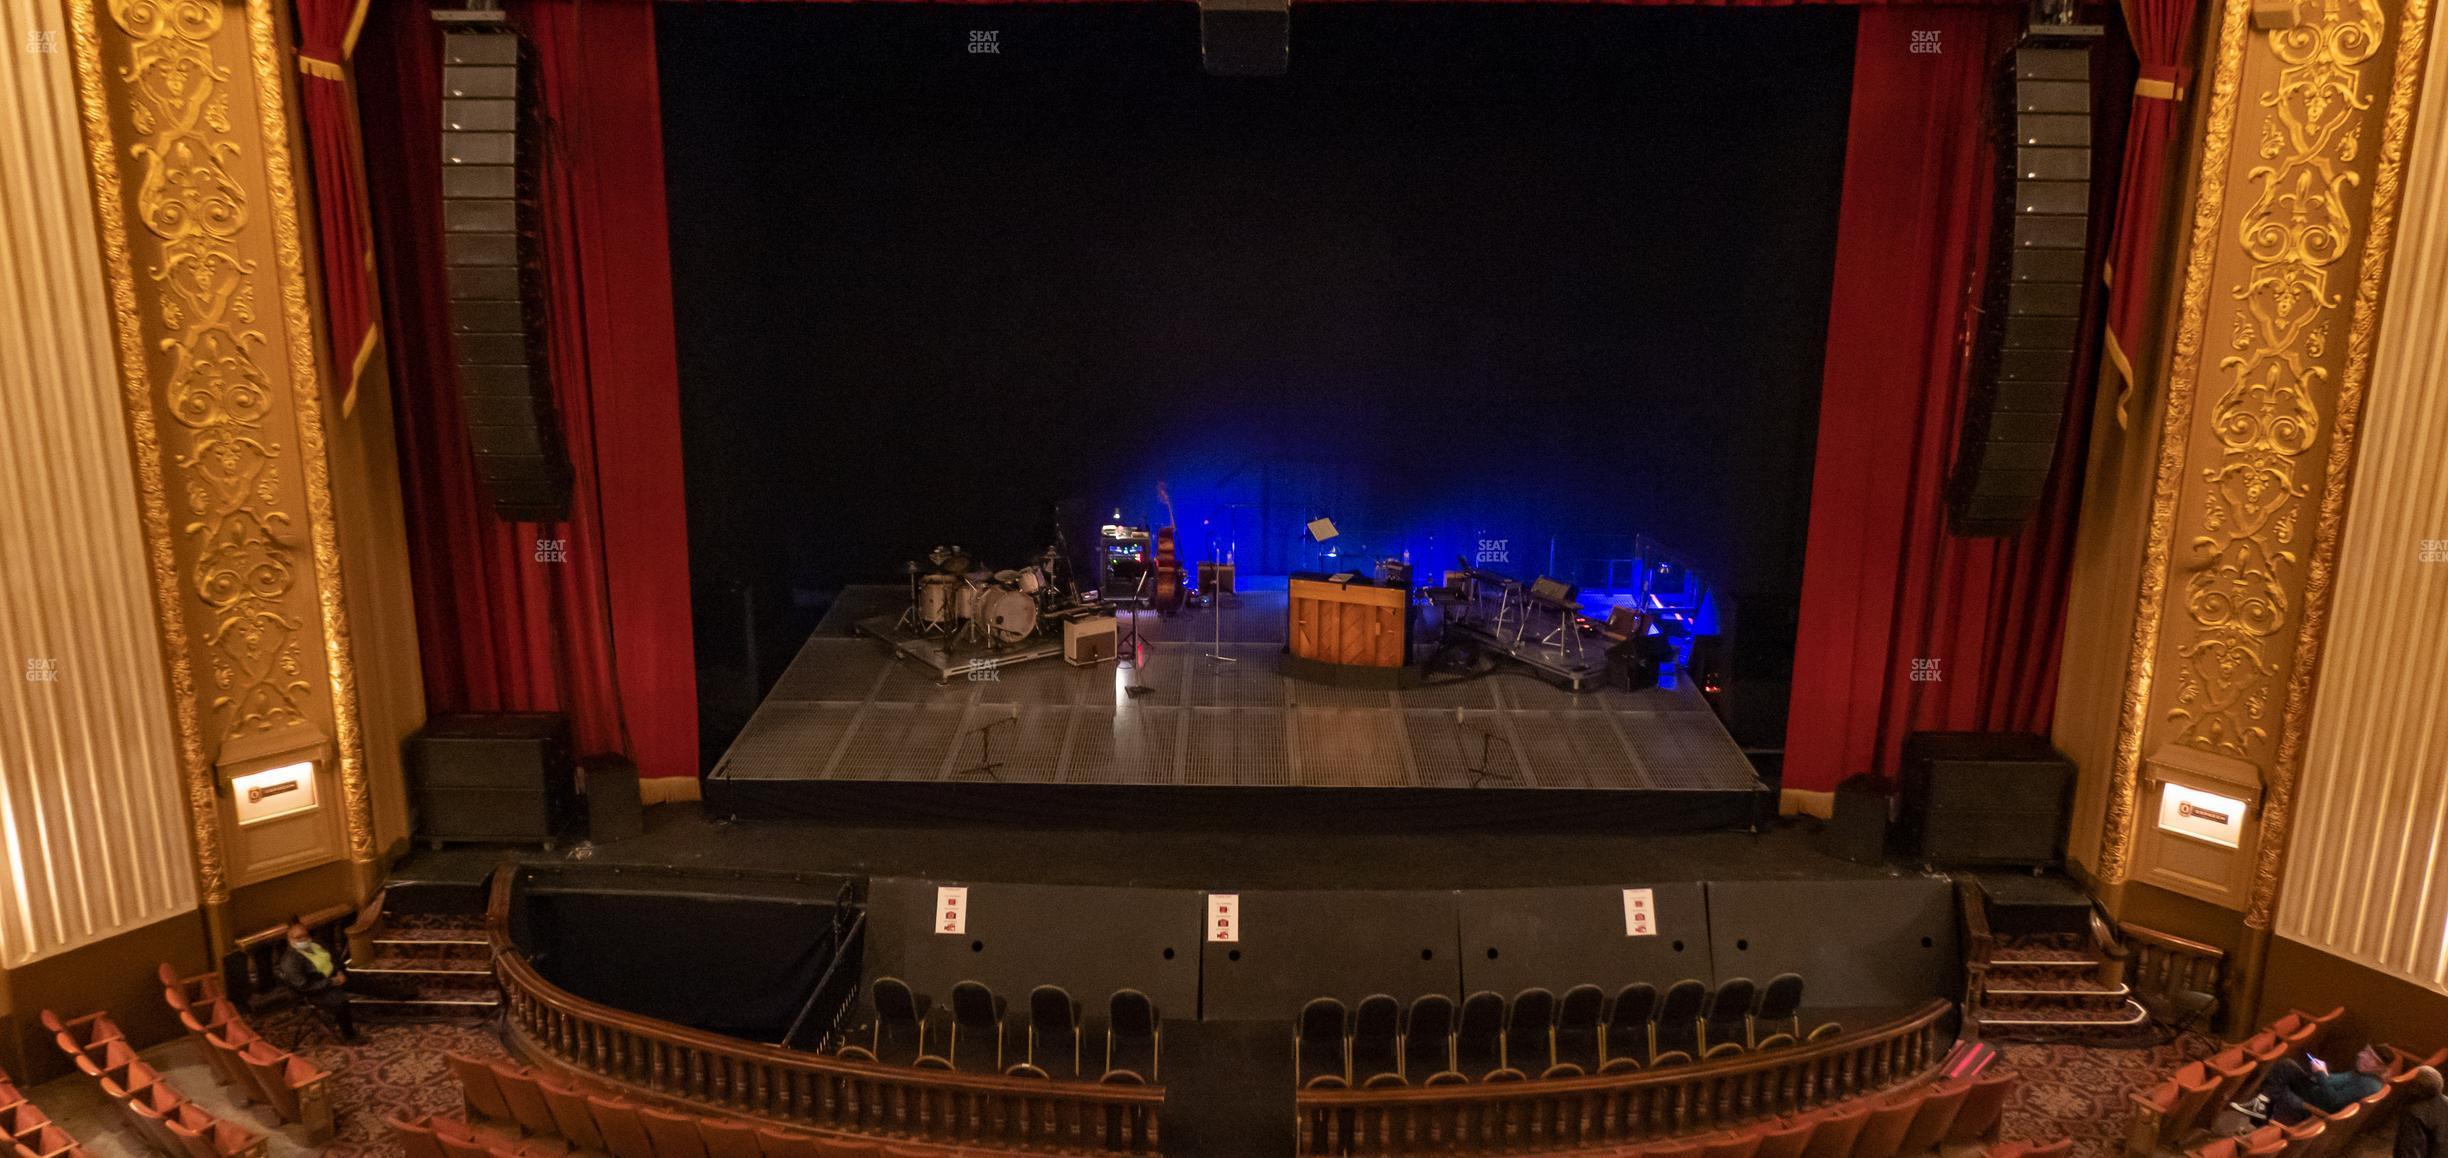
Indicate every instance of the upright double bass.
{"type": "Point", "coordinates": [1170, 594]}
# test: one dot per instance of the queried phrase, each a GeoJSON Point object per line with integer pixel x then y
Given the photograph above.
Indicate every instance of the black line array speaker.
{"type": "Point", "coordinates": [1984, 798]}
{"type": "Point", "coordinates": [1245, 37]}
{"type": "Point", "coordinates": [2023, 353]}
{"type": "Point", "coordinates": [488, 207]}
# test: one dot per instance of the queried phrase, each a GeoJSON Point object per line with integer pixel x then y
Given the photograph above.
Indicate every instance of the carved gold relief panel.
{"type": "Point", "coordinates": [2290, 235]}
{"type": "Point", "coordinates": [183, 102]}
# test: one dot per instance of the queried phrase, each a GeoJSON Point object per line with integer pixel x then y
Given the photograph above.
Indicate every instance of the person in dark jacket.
{"type": "Point", "coordinates": [314, 974]}
{"type": "Point", "coordinates": [2292, 1086]}
{"type": "Point", "coordinates": [2422, 1129]}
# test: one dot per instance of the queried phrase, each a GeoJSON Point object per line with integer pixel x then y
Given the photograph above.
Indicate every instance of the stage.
{"type": "Point", "coordinates": [1181, 738]}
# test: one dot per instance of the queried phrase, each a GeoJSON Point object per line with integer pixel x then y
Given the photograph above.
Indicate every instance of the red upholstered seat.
{"type": "Point", "coordinates": [2267, 1140]}
{"type": "Point", "coordinates": [204, 1136]}
{"type": "Point", "coordinates": [1787, 1140]}
{"type": "Point", "coordinates": [570, 1115]}
{"type": "Point", "coordinates": [2219, 1148]}
{"type": "Point", "coordinates": [526, 1102]}
{"type": "Point", "coordinates": [482, 1090]}
{"type": "Point", "coordinates": [1937, 1117]}
{"type": "Point", "coordinates": [844, 1147]}
{"type": "Point", "coordinates": [623, 1134]}
{"type": "Point", "coordinates": [1837, 1133]}
{"type": "Point", "coordinates": [675, 1135]}
{"type": "Point", "coordinates": [417, 1137]}
{"type": "Point", "coordinates": [1883, 1134]}
{"type": "Point", "coordinates": [1984, 1108]}
{"type": "Point", "coordinates": [783, 1144]}
{"type": "Point", "coordinates": [728, 1139]}
{"type": "Point", "coordinates": [1738, 1144]}
{"type": "Point", "coordinates": [1673, 1149]}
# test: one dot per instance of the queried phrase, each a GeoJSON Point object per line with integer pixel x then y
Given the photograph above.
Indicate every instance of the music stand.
{"type": "Point", "coordinates": [987, 764]}
{"type": "Point", "coordinates": [1487, 738]}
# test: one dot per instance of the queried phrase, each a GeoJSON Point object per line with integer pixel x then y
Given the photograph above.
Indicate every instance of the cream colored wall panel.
{"type": "Point", "coordinates": [92, 829]}
{"type": "Point", "coordinates": [2367, 876]}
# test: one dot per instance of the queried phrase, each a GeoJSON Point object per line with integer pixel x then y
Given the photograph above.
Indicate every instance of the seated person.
{"type": "Point", "coordinates": [2292, 1086]}
{"type": "Point", "coordinates": [2422, 1130]}
{"type": "Point", "coordinates": [314, 974]}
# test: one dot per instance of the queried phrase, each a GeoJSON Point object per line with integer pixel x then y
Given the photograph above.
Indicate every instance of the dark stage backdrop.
{"type": "Point", "coordinates": [1526, 273]}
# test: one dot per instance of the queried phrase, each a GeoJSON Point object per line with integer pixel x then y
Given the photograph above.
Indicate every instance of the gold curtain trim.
{"type": "Point", "coordinates": [2158, 90]}
{"type": "Point", "coordinates": [2125, 387]}
{"type": "Point", "coordinates": [317, 66]}
{"type": "Point", "coordinates": [356, 24]}
{"type": "Point", "coordinates": [357, 369]}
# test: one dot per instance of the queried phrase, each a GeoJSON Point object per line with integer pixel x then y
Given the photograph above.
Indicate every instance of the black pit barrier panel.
{"type": "Point", "coordinates": [1554, 939]}
{"type": "Point", "coordinates": [1857, 944]}
{"type": "Point", "coordinates": [1015, 937]}
{"type": "Point", "coordinates": [1347, 944]}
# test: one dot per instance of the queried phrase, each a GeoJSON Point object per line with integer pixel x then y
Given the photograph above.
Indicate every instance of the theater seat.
{"type": "Point", "coordinates": [900, 1021]}
{"type": "Point", "coordinates": [1376, 1041]}
{"type": "Point", "coordinates": [784, 1144]}
{"type": "Point", "coordinates": [1837, 1133]}
{"type": "Point", "coordinates": [526, 1100]}
{"type": "Point", "coordinates": [203, 1136]}
{"type": "Point", "coordinates": [1134, 1034]}
{"type": "Point", "coordinates": [1740, 1144]}
{"type": "Point", "coordinates": [1054, 1030]}
{"type": "Point", "coordinates": [480, 1088]}
{"type": "Point", "coordinates": [1479, 1042]}
{"type": "Point", "coordinates": [1578, 1017]}
{"type": "Point", "coordinates": [1677, 1029]}
{"type": "Point", "coordinates": [2267, 1141]}
{"type": "Point", "coordinates": [571, 1117]}
{"type": "Point", "coordinates": [1882, 1136]}
{"type": "Point", "coordinates": [1787, 1141]}
{"type": "Point", "coordinates": [1626, 1031]}
{"type": "Point", "coordinates": [417, 1137]}
{"type": "Point", "coordinates": [1428, 1037]}
{"type": "Point", "coordinates": [1937, 1116]}
{"type": "Point", "coordinates": [1529, 1033]}
{"type": "Point", "coordinates": [1321, 1041]}
{"type": "Point", "coordinates": [728, 1139]}
{"type": "Point", "coordinates": [845, 1148]}
{"type": "Point", "coordinates": [1726, 1014]}
{"type": "Point", "coordinates": [674, 1135]}
{"type": "Point", "coordinates": [1984, 1108]}
{"type": "Point", "coordinates": [2323, 1134]}
{"type": "Point", "coordinates": [1780, 1007]}
{"type": "Point", "coordinates": [294, 1086]}
{"type": "Point", "coordinates": [623, 1134]}
{"type": "Point", "coordinates": [1678, 1148]}
{"type": "Point", "coordinates": [976, 1042]}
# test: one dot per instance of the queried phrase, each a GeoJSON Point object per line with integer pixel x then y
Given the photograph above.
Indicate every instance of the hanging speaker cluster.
{"type": "Point", "coordinates": [488, 209]}
{"type": "Point", "coordinates": [2023, 353]}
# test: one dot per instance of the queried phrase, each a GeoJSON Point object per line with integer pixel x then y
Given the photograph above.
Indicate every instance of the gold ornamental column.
{"type": "Point", "coordinates": [189, 141]}
{"type": "Point", "coordinates": [2290, 236]}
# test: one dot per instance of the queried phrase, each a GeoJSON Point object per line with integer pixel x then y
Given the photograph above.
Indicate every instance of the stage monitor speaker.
{"type": "Point", "coordinates": [1984, 798]}
{"type": "Point", "coordinates": [487, 219]}
{"type": "Point", "coordinates": [2024, 352]}
{"type": "Point", "coordinates": [499, 776]}
{"type": "Point", "coordinates": [1246, 38]}
{"type": "Point", "coordinates": [614, 810]}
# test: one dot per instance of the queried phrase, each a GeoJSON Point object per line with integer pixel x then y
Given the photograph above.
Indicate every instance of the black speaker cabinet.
{"type": "Point", "coordinates": [1857, 827]}
{"type": "Point", "coordinates": [1245, 37]}
{"type": "Point", "coordinates": [1984, 798]}
{"type": "Point", "coordinates": [613, 809]}
{"type": "Point", "coordinates": [494, 777]}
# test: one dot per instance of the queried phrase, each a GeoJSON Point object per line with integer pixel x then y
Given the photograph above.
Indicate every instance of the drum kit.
{"type": "Point", "coordinates": [994, 608]}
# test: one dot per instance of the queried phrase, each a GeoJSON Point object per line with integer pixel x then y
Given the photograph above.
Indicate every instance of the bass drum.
{"type": "Point", "coordinates": [1007, 615]}
{"type": "Point", "coordinates": [935, 600]}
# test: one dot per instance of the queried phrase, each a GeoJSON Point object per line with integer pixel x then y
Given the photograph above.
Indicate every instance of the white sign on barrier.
{"type": "Point", "coordinates": [1223, 916]}
{"type": "Point", "coordinates": [952, 909]}
{"type": "Point", "coordinates": [1640, 913]}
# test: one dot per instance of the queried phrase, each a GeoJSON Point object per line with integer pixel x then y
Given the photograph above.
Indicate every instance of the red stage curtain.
{"type": "Point", "coordinates": [1884, 583]}
{"type": "Point", "coordinates": [327, 36]}
{"type": "Point", "coordinates": [2160, 30]}
{"type": "Point", "coordinates": [604, 634]}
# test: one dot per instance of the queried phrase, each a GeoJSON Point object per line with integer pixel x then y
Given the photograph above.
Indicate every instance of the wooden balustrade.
{"type": "Point", "coordinates": [670, 1063]}
{"type": "Point", "coordinates": [2164, 963]}
{"type": "Point", "coordinates": [1533, 1116]}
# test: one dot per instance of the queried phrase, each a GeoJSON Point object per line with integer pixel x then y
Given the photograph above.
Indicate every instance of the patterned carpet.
{"type": "Point", "coordinates": [394, 1070]}
{"type": "Point", "coordinates": [2082, 1091]}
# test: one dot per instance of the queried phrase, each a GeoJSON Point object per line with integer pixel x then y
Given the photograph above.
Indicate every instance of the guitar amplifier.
{"type": "Point", "coordinates": [496, 776]}
{"type": "Point", "coordinates": [1087, 641]}
{"type": "Point", "coordinates": [1984, 798]}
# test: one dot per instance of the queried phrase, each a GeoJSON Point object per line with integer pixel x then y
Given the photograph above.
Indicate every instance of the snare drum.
{"type": "Point", "coordinates": [935, 598]}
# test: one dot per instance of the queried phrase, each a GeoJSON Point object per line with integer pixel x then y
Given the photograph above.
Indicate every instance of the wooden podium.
{"type": "Point", "coordinates": [1351, 624]}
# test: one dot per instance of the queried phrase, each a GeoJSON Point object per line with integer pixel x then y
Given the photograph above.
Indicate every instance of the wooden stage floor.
{"type": "Point", "coordinates": [849, 712]}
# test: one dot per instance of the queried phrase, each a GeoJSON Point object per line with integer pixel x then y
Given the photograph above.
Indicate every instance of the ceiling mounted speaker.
{"type": "Point", "coordinates": [1245, 37]}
